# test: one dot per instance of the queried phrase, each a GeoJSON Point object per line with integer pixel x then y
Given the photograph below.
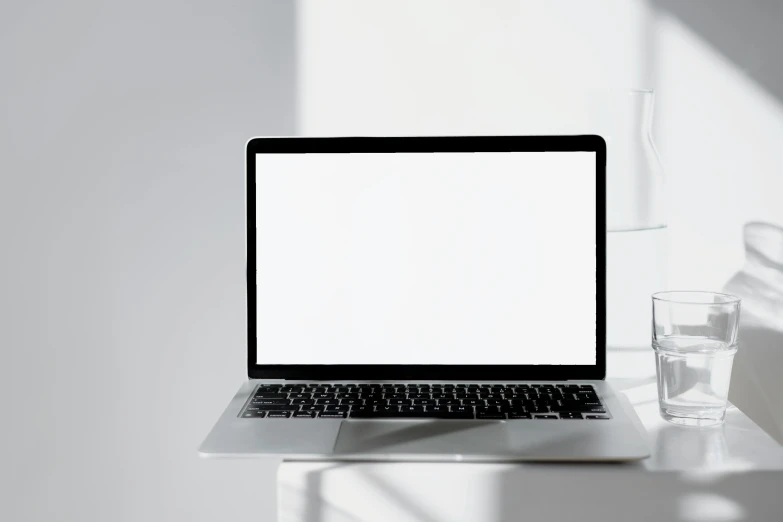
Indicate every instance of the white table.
{"type": "Point", "coordinates": [734, 472]}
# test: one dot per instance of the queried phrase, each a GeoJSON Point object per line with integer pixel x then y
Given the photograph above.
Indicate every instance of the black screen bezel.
{"type": "Point", "coordinates": [343, 145]}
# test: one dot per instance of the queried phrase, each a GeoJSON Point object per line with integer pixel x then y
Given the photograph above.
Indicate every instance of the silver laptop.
{"type": "Point", "coordinates": [428, 298]}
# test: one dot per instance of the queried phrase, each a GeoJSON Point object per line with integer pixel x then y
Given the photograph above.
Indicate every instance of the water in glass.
{"type": "Point", "coordinates": [693, 379]}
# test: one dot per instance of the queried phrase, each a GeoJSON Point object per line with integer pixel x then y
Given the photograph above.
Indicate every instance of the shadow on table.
{"type": "Point", "coordinates": [616, 493]}
{"type": "Point", "coordinates": [318, 509]}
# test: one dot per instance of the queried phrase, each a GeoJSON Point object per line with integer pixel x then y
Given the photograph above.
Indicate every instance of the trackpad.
{"type": "Point", "coordinates": [401, 437]}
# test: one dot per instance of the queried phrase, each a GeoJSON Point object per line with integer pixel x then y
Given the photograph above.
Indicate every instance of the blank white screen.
{"type": "Point", "coordinates": [415, 258]}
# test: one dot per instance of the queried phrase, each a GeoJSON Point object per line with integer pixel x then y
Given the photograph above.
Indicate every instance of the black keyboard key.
{"type": "Point", "coordinates": [577, 406]}
{"type": "Point", "coordinates": [395, 396]}
{"type": "Point", "coordinates": [519, 415]}
{"type": "Point", "coordinates": [449, 401]}
{"type": "Point", "coordinates": [467, 396]}
{"type": "Point", "coordinates": [277, 407]}
{"type": "Point", "coordinates": [254, 414]}
{"type": "Point", "coordinates": [300, 396]}
{"type": "Point", "coordinates": [271, 396]}
{"type": "Point", "coordinates": [327, 401]}
{"type": "Point", "coordinates": [270, 401]}
{"type": "Point", "coordinates": [601, 417]}
{"type": "Point", "coordinates": [419, 396]}
{"type": "Point", "coordinates": [410, 415]}
{"type": "Point", "coordinates": [569, 415]}
{"type": "Point", "coordinates": [291, 389]}
{"type": "Point", "coordinates": [473, 402]}
{"type": "Point", "coordinates": [278, 414]}
{"type": "Point", "coordinates": [300, 402]}
{"type": "Point", "coordinates": [409, 409]}
{"type": "Point", "coordinates": [351, 401]}
{"type": "Point", "coordinates": [490, 415]}
{"type": "Point", "coordinates": [438, 409]}
{"type": "Point", "coordinates": [546, 416]}
{"type": "Point", "coordinates": [461, 409]}
{"type": "Point", "coordinates": [347, 395]}
{"type": "Point", "coordinates": [313, 407]}
{"type": "Point", "coordinates": [332, 415]}
{"type": "Point", "coordinates": [323, 395]}
{"type": "Point", "coordinates": [304, 414]}
{"type": "Point", "coordinates": [430, 402]}
{"type": "Point", "coordinates": [455, 415]}
{"type": "Point", "coordinates": [338, 407]}
{"type": "Point", "coordinates": [362, 408]}
{"type": "Point", "coordinates": [399, 402]}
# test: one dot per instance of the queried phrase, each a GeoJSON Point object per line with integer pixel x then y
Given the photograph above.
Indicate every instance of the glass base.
{"type": "Point", "coordinates": [699, 420]}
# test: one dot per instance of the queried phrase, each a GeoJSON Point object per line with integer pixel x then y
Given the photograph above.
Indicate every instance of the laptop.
{"type": "Point", "coordinates": [427, 298]}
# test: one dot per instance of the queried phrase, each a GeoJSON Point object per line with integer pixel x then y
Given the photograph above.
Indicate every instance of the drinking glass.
{"type": "Point", "coordinates": [695, 338]}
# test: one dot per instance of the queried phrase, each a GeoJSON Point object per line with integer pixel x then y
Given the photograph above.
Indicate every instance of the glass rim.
{"type": "Point", "coordinates": [669, 296]}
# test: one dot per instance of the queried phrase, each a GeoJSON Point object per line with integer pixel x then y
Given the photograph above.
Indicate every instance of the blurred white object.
{"type": "Point", "coordinates": [756, 387]}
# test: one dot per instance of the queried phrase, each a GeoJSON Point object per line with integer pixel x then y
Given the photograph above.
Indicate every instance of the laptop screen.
{"type": "Point", "coordinates": [482, 258]}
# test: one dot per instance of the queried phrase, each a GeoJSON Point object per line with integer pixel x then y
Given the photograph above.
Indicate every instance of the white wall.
{"type": "Point", "coordinates": [461, 67]}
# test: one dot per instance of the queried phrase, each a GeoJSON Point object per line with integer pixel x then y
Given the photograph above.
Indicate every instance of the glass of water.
{"type": "Point", "coordinates": [695, 338]}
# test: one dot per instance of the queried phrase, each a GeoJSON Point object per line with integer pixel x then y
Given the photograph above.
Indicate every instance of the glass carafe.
{"type": "Point", "coordinates": [636, 224]}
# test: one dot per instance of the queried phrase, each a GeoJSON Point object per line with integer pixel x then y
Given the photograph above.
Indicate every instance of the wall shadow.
{"type": "Point", "coordinates": [747, 33]}
{"type": "Point", "coordinates": [617, 493]}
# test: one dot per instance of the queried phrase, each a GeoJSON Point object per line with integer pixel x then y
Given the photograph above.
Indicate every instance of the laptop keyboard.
{"type": "Point", "coordinates": [410, 401]}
